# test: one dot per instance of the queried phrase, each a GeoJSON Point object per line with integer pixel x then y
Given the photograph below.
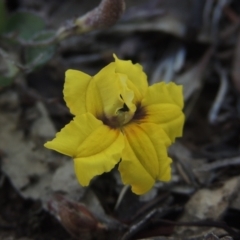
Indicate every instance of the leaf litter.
{"type": "Point", "coordinates": [195, 43]}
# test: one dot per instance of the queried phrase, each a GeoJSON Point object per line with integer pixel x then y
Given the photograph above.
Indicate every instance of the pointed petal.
{"type": "Point", "coordinates": [163, 105]}
{"type": "Point", "coordinates": [144, 158]}
{"type": "Point", "coordinates": [168, 116]}
{"type": "Point", "coordinates": [99, 153]}
{"type": "Point", "coordinates": [81, 94]}
{"type": "Point", "coordinates": [164, 93]}
{"type": "Point", "coordinates": [75, 89]}
{"type": "Point", "coordinates": [134, 72]}
{"type": "Point", "coordinates": [95, 147]}
{"type": "Point", "coordinates": [73, 134]}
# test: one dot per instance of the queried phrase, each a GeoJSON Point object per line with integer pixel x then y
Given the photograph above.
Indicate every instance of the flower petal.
{"type": "Point", "coordinates": [164, 93]}
{"type": "Point", "coordinates": [169, 116]}
{"type": "Point", "coordinates": [163, 105]}
{"type": "Point", "coordinates": [110, 90]}
{"type": "Point", "coordinates": [144, 158]}
{"type": "Point", "coordinates": [95, 147]}
{"type": "Point", "coordinates": [134, 72]}
{"type": "Point", "coordinates": [102, 95]}
{"type": "Point", "coordinates": [75, 90]}
{"type": "Point", "coordinates": [82, 94]}
{"type": "Point", "coordinates": [99, 153]}
{"type": "Point", "coordinates": [73, 134]}
{"type": "Point", "coordinates": [116, 97]}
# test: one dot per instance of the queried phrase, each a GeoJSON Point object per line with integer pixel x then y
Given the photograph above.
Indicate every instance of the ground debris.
{"type": "Point", "coordinates": [195, 43]}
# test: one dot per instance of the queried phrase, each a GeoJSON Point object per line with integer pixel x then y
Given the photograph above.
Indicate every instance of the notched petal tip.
{"type": "Point", "coordinates": [136, 176]}
{"type": "Point", "coordinates": [176, 92]}
{"type": "Point", "coordinates": [65, 141]}
{"type": "Point", "coordinates": [140, 191]}
{"type": "Point", "coordinates": [163, 103]}
{"type": "Point", "coordinates": [144, 158]}
{"type": "Point", "coordinates": [99, 153]}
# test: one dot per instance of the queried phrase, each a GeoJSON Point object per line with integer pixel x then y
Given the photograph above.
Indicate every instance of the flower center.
{"type": "Point", "coordinates": [124, 115]}
{"type": "Point", "coordinates": [122, 112]}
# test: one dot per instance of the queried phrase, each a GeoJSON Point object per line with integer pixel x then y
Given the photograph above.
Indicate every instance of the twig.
{"type": "Point", "coordinates": [121, 196]}
{"type": "Point", "coordinates": [135, 228]}
{"type": "Point", "coordinates": [104, 15]}
{"type": "Point", "coordinates": [6, 56]}
{"type": "Point", "coordinates": [36, 96]}
{"type": "Point", "coordinates": [185, 170]}
{"type": "Point", "coordinates": [204, 223]}
{"type": "Point", "coordinates": [159, 212]}
{"type": "Point", "coordinates": [217, 13]}
{"type": "Point", "coordinates": [25, 68]}
{"type": "Point", "coordinates": [30, 43]}
{"type": "Point", "coordinates": [207, 12]}
{"type": "Point", "coordinates": [219, 164]}
{"type": "Point", "coordinates": [213, 114]}
{"type": "Point", "coordinates": [165, 198]}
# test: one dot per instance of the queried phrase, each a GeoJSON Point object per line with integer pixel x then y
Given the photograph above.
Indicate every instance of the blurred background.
{"type": "Point", "coordinates": [195, 43]}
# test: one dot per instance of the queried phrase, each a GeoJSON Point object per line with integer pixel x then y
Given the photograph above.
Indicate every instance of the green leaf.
{"type": "Point", "coordinates": [39, 55]}
{"type": "Point", "coordinates": [24, 24]}
{"type": "Point", "coordinates": [3, 14]}
{"type": "Point", "coordinates": [8, 70]}
{"type": "Point", "coordinates": [12, 69]}
{"type": "Point", "coordinates": [5, 81]}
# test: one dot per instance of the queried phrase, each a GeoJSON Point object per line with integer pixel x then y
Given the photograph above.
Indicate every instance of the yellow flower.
{"type": "Point", "coordinates": [120, 119]}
